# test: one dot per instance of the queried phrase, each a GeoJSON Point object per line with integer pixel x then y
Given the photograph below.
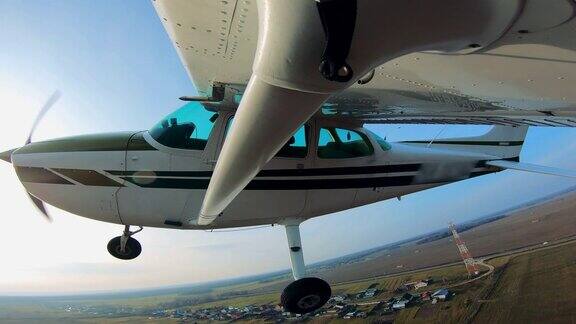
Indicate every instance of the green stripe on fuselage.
{"type": "Point", "coordinates": [88, 143]}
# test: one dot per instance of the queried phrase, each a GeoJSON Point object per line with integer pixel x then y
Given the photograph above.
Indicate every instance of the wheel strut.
{"type": "Point", "coordinates": [296, 254]}
{"type": "Point", "coordinates": [126, 235]}
{"type": "Point", "coordinates": [304, 295]}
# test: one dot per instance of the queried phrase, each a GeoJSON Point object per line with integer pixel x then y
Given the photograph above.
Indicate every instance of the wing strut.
{"type": "Point", "coordinates": [533, 168]}
{"type": "Point", "coordinates": [286, 88]}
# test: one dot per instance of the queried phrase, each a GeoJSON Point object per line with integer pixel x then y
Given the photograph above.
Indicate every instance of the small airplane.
{"type": "Point", "coordinates": [277, 134]}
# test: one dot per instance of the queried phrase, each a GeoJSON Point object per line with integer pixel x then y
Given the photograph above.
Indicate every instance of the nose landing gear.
{"type": "Point", "coordinates": [125, 247]}
{"type": "Point", "coordinates": [304, 295]}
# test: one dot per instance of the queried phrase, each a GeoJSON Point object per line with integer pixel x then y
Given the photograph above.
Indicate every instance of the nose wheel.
{"type": "Point", "coordinates": [304, 295]}
{"type": "Point", "coordinates": [125, 247]}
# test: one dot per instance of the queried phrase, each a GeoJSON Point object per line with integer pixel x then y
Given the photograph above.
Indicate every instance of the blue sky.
{"type": "Point", "coordinates": [117, 70]}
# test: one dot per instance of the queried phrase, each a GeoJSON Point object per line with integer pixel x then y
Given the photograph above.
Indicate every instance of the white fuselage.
{"type": "Point", "coordinates": [130, 178]}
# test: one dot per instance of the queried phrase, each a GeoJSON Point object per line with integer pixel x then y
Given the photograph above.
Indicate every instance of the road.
{"type": "Point", "coordinates": [482, 262]}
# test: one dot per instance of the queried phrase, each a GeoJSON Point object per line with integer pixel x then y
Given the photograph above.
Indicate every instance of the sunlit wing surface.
{"type": "Point", "coordinates": [215, 40]}
{"type": "Point", "coordinates": [528, 81]}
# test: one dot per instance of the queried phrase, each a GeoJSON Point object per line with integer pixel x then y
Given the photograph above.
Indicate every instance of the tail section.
{"type": "Point", "coordinates": [502, 141]}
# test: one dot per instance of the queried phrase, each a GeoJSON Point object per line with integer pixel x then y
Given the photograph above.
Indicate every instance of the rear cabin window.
{"type": "Point", "coordinates": [340, 143]}
{"type": "Point", "coordinates": [296, 147]}
{"type": "Point", "coordinates": [187, 128]}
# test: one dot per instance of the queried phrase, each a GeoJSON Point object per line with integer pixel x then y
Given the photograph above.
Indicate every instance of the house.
{"type": "Point", "coordinates": [401, 304]}
{"type": "Point", "coordinates": [441, 294]}
{"type": "Point", "coordinates": [422, 284]}
{"type": "Point", "coordinates": [425, 295]}
{"type": "Point", "coordinates": [417, 284]}
{"type": "Point", "coordinates": [339, 298]}
{"type": "Point", "coordinates": [403, 301]}
{"type": "Point", "coordinates": [369, 293]}
{"type": "Point", "coordinates": [410, 285]}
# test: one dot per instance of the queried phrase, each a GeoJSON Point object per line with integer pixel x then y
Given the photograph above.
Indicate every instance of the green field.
{"type": "Point", "coordinates": [535, 287]}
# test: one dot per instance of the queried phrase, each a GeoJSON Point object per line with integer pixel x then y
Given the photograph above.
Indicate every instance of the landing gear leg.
{"type": "Point", "coordinates": [304, 295]}
{"type": "Point", "coordinates": [125, 247]}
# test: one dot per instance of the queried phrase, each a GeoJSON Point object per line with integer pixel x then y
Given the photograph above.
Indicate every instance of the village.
{"type": "Point", "coordinates": [368, 302]}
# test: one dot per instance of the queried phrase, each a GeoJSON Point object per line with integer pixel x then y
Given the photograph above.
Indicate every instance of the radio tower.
{"type": "Point", "coordinates": [464, 253]}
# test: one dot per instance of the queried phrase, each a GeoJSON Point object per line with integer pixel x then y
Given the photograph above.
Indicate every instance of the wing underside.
{"type": "Point", "coordinates": [529, 81]}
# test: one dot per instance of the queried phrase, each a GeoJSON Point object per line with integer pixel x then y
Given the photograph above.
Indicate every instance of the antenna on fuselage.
{"type": "Point", "coordinates": [437, 135]}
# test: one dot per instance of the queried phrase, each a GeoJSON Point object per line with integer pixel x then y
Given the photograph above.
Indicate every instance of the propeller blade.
{"type": "Point", "coordinates": [41, 207]}
{"type": "Point", "coordinates": [49, 103]}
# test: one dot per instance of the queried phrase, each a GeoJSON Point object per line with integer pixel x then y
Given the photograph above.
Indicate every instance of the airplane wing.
{"type": "Point", "coordinates": [525, 84]}
{"type": "Point", "coordinates": [498, 62]}
{"type": "Point", "coordinates": [216, 40]}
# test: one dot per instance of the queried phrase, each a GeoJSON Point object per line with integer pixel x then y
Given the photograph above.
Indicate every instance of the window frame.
{"type": "Point", "coordinates": [214, 130]}
{"type": "Point", "coordinates": [374, 138]}
{"type": "Point", "coordinates": [357, 130]}
{"type": "Point", "coordinates": [308, 130]}
{"type": "Point", "coordinates": [206, 154]}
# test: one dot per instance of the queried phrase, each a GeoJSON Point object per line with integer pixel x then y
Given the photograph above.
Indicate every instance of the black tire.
{"type": "Point", "coordinates": [305, 295]}
{"type": "Point", "coordinates": [132, 250]}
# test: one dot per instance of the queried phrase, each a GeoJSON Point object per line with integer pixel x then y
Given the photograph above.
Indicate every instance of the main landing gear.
{"type": "Point", "coordinates": [304, 295]}
{"type": "Point", "coordinates": [125, 247]}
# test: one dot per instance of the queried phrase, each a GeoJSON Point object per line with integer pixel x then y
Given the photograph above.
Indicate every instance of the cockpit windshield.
{"type": "Point", "coordinates": [187, 128]}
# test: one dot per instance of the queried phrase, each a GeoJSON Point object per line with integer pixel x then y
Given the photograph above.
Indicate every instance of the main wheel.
{"type": "Point", "coordinates": [131, 251]}
{"type": "Point", "coordinates": [305, 295]}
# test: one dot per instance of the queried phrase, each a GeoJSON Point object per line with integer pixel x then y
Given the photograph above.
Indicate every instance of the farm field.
{"type": "Point", "coordinates": [549, 222]}
{"type": "Point", "coordinates": [535, 287]}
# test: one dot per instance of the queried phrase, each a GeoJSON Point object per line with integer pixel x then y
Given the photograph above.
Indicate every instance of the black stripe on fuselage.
{"type": "Point", "coordinates": [283, 172]}
{"type": "Point", "coordinates": [39, 175]}
{"type": "Point", "coordinates": [88, 177]}
{"type": "Point", "coordinates": [304, 184]}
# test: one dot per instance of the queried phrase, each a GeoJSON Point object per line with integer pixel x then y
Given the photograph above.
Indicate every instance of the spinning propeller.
{"type": "Point", "coordinates": [49, 103]}
{"type": "Point", "coordinates": [6, 156]}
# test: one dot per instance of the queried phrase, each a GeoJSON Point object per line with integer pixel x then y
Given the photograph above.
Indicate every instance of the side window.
{"type": "Point", "coordinates": [187, 128]}
{"type": "Point", "coordinates": [340, 143]}
{"type": "Point", "coordinates": [296, 147]}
